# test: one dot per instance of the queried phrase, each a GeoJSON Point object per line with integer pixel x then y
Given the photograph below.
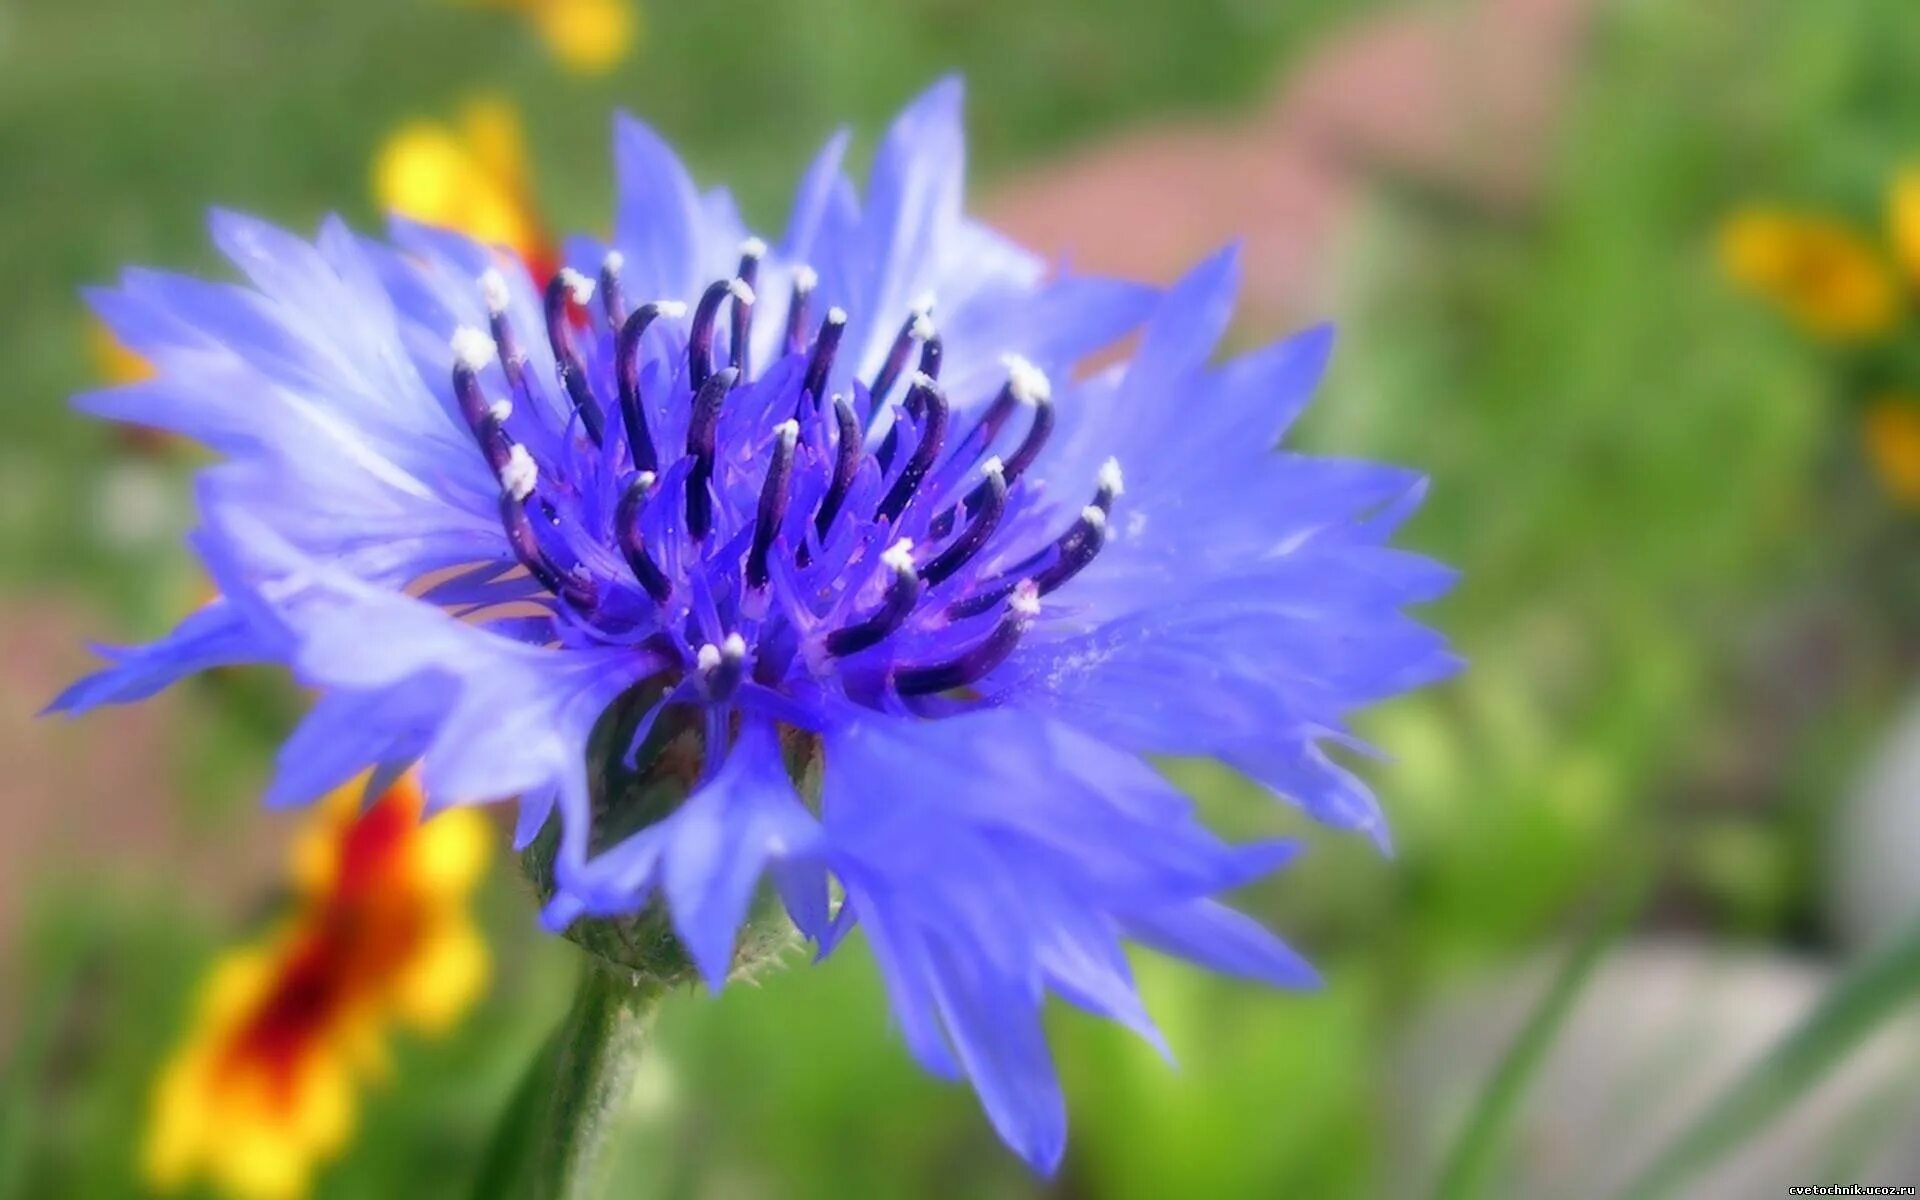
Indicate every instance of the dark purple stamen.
{"type": "Point", "coordinates": [700, 336]}
{"type": "Point", "coordinates": [578, 592]}
{"type": "Point", "coordinates": [797, 306]}
{"type": "Point", "coordinates": [846, 464]}
{"type": "Point", "coordinates": [917, 328]}
{"type": "Point", "coordinates": [701, 425]}
{"type": "Point", "coordinates": [613, 301]}
{"type": "Point", "coordinates": [626, 370]}
{"type": "Point", "coordinates": [903, 592]}
{"type": "Point", "coordinates": [929, 406]}
{"type": "Point", "coordinates": [494, 288]}
{"type": "Point", "coordinates": [814, 384]}
{"type": "Point", "coordinates": [1057, 562]}
{"type": "Point", "coordinates": [774, 494]}
{"type": "Point", "coordinates": [1076, 549]}
{"type": "Point", "coordinates": [972, 664]}
{"type": "Point", "coordinates": [1034, 442]}
{"type": "Point", "coordinates": [626, 524]}
{"type": "Point", "coordinates": [480, 416]}
{"type": "Point", "coordinates": [930, 357]}
{"type": "Point", "coordinates": [573, 373]}
{"type": "Point", "coordinates": [743, 296]}
{"type": "Point", "coordinates": [985, 504]}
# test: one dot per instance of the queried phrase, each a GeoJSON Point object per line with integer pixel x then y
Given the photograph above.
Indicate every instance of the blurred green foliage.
{"type": "Point", "coordinates": [1683, 604]}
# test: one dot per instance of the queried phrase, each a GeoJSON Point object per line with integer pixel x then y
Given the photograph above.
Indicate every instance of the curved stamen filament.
{"type": "Point", "coordinates": [903, 593]}
{"type": "Point", "coordinates": [565, 289]}
{"type": "Point", "coordinates": [701, 426]}
{"type": "Point", "coordinates": [978, 660]}
{"type": "Point", "coordinates": [929, 404]}
{"type": "Point", "coordinates": [613, 302]}
{"type": "Point", "coordinates": [576, 591]}
{"type": "Point", "coordinates": [805, 279]}
{"type": "Point", "coordinates": [774, 494]}
{"type": "Point", "coordinates": [700, 336]}
{"type": "Point", "coordinates": [918, 328]}
{"type": "Point", "coordinates": [986, 503]}
{"type": "Point", "coordinates": [846, 464]}
{"type": "Point", "coordinates": [742, 325]}
{"type": "Point", "coordinates": [633, 546]}
{"type": "Point", "coordinates": [626, 369]}
{"type": "Point", "coordinates": [814, 384]}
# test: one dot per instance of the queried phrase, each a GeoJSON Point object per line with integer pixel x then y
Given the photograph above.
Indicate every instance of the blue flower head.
{"type": "Point", "coordinates": [844, 490]}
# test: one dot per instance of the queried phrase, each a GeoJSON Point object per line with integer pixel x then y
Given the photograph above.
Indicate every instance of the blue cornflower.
{"type": "Point", "coordinates": [840, 498]}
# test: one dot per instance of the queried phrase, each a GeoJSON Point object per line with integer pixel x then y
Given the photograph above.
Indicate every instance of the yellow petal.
{"type": "Point", "coordinates": [1819, 270]}
{"type": "Point", "coordinates": [1890, 431]}
{"type": "Point", "coordinates": [444, 978]}
{"type": "Point", "coordinates": [450, 852]}
{"type": "Point", "coordinates": [1904, 219]}
{"type": "Point", "coordinates": [491, 130]}
{"type": "Point", "coordinates": [587, 36]}
{"type": "Point", "coordinates": [112, 361]}
{"type": "Point", "coordinates": [424, 172]}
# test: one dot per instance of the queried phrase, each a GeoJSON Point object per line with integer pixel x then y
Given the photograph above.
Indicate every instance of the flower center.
{"type": "Point", "coordinates": [773, 537]}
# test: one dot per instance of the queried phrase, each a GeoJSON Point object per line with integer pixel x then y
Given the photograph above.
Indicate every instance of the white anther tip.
{"type": "Point", "coordinates": [740, 290]}
{"type": "Point", "coordinates": [500, 410]}
{"type": "Point", "coordinates": [788, 431]}
{"type": "Point", "coordinates": [753, 247]}
{"type": "Point", "coordinates": [1094, 516]}
{"type": "Point", "coordinates": [1028, 383]}
{"type": "Point", "coordinates": [923, 327]}
{"type": "Point", "coordinates": [472, 348]}
{"type": "Point", "coordinates": [708, 657]}
{"type": "Point", "coordinates": [644, 480]}
{"type": "Point", "coordinates": [899, 556]}
{"type": "Point", "coordinates": [921, 379]}
{"type": "Point", "coordinates": [493, 291]}
{"type": "Point", "coordinates": [993, 466]}
{"type": "Point", "coordinates": [1110, 478]}
{"type": "Point", "coordinates": [805, 278]}
{"type": "Point", "coordinates": [672, 310]}
{"type": "Point", "coordinates": [922, 304]}
{"type": "Point", "coordinates": [1025, 599]}
{"type": "Point", "coordinates": [578, 286]}
{"type": "Point", "coordinates": [836, 315]}
{"type": "Point", "coordinates": [734, 647]}
{"type": "Point", "coordinates": [614, 262]}
{"type": "Point", "coordinates": [520, 473]}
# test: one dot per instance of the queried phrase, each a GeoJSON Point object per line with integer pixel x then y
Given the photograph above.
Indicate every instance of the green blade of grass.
{"type": "Point", "coordinates": [1470, 1163]}
{"type": "Point", "coordinates": [1857, 1004]}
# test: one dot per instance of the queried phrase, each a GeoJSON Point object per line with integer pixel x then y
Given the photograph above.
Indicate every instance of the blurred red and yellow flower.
{"type": "Point", "coordinates": [263, 1088]}
{"type": "Point", "coordinates": [469, 175]}
{"type": "Point", "coordinates": [589, 37]}
{"type": "Point", "coordinates": [1829, 278]}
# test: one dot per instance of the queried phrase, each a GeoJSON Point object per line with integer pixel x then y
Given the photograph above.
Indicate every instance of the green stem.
{"type": "Point", "coordinates": [549, 1144]}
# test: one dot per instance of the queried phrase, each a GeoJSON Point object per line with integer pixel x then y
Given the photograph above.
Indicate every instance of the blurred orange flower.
{"type": "Point", "coordinates": [1823, 273]}
{"type": "Point", "coordinates": [1890, 431]}
{"type": "Point", "coordinates": [589, 37]}
{"type": "Point", "coordinates": [263, 1087]}
{"type": "Point", "coordinates": [470, 175]}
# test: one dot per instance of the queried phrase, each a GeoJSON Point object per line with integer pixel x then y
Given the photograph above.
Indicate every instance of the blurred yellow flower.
{"type": "Point", "coordinates": [1903, 221]}
{"type": "Point", "coordinates": [471, 176]}
{"type": "Point", "coordinates": [112, 361]}
{"type": "Point", "coordinates": [1890, 431]}
{"type": "Point", "coordinates": [590, 37]}
{"type": "Point", "coordinates": [1823, 273]}
{"type": "Point", "coordinates": [263, 1088]}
